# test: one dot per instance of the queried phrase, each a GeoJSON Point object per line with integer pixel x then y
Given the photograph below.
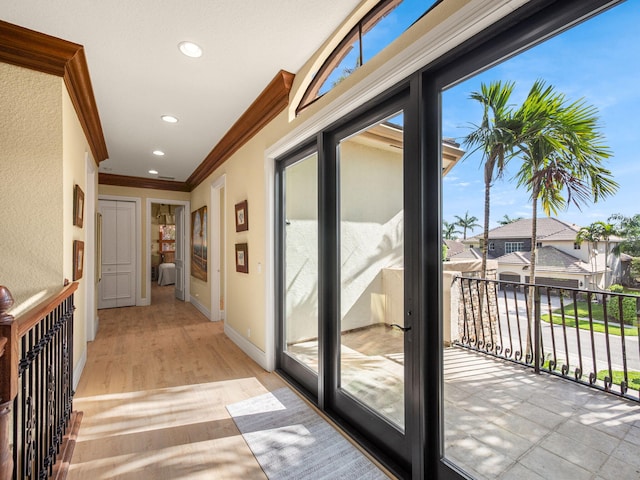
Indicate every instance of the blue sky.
{"type": "Point", "coordinates": [598, 61]}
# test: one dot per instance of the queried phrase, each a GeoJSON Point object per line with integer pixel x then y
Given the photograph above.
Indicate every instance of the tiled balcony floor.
{"type": "Point", "coordinates": [504, 421]}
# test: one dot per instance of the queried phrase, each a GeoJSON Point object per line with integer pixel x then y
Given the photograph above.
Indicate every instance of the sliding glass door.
{"type": "Point", "coordinates": [343, 316]}
{"type": "Point", "coordinates": [365, 308]}
{"type": "Point", "coordinates": [298, 220]}
{"type": "Point", "coordinates": [372, 326]}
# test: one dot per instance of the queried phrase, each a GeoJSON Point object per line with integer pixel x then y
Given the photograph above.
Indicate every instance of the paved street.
{"type": "Point", "coordinates": [565, 339]}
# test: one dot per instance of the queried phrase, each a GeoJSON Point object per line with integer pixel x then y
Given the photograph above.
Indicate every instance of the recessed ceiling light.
{"type": "Point", "coordinates": [169, 118]}
{"type": "Point", "coordinates": [190, 49]}
{"type": "Point", "coordinates": [153, 172]}
{"type": "Point", "coordinates": [159, 153]}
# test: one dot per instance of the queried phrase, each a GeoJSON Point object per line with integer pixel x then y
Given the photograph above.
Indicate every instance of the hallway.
{"type": "Point", "coordinates": [153, 394]}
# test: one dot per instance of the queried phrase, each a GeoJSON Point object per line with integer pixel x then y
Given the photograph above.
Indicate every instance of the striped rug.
{"type": "Point", "coordinates": [291, 441]}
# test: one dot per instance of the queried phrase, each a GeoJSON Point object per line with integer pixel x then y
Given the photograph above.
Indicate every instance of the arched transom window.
{"type": "Point", "coordinates": [377, 29]}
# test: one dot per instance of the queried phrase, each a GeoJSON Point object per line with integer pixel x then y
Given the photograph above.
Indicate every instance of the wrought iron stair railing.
{"type": "Point", "coordinates": [36, 385]}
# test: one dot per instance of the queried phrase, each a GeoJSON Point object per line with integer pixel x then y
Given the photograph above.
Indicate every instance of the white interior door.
{"type": "Point", "coordinates": [180, 253]}
{"type": "Point", "coordinates": [118, 285]}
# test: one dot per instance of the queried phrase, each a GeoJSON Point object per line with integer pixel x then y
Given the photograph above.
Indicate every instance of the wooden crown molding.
{"type": "Point", "coordinates": [141, 182]}
{"type": "Point", "coordinates": [37, 51]}
{"type": "Point", "coordinates": [273, 99]}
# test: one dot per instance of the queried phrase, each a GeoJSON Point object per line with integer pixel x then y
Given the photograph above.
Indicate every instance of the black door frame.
{"type": "Point", "coordinates": [388, 438]}
{"type": "Point", "coordinates": [288, 366]}
{"type": "Point", "coordinates": [529, 25]}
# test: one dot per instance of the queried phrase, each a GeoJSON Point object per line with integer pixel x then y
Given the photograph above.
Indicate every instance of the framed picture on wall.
{"type": "Point", "coordinates": [242, 216]}
{"type": "Point", "coordinates": [242, 257]}
{"type": "Point", "coordinates": [78, 206]}
{"type": "Point", "coordinates": [78, 259]}
{"type": "Point", "coordinates": [199, 243]}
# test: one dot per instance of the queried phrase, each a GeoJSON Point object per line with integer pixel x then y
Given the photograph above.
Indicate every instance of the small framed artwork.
{"type": "Point", "coordinates": [242, 216]}
{"type": "Point", "coordinates": [242, 257]}
{"type": "Point", "coordinates": [78, 206]}
{"type": "Point", "coordinates": [78, 259]}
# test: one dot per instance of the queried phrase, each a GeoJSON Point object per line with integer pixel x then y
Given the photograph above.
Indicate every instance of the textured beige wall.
{"type": "Point", "coordinates": [42, 158]}
{"type": "Point", "coordinates": [143, 194]}
{"type": "Point", "coordinates": [245, 180]}
{"type": "Point", "coordinates": [74, 151]}
{"type": "Point", "coordinates": [32, 193]}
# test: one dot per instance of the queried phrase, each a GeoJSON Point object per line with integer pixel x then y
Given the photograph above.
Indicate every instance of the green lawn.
{"type": "Point", "coordinates": [583, 322]}
{"type": "Point", "coordinates": [618, 377]}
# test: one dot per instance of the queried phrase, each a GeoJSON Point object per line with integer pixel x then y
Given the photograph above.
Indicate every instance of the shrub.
{"type": "Point", "coordinates": [629, 306]}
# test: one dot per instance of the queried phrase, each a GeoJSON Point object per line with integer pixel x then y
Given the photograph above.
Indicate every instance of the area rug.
{"type": "Point", "coordinates": [291, 441]}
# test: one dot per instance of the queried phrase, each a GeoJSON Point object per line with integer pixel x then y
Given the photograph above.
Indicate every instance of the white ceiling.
{"type": "Point", "coordinates": [138, 73]}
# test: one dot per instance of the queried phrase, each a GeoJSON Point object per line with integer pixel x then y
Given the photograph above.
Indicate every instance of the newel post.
{"type": "Point", "coordinates": [8, 379]}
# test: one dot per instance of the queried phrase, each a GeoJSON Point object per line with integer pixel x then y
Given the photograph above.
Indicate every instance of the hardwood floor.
{"type": "Point", "coordinates": [154, 392]}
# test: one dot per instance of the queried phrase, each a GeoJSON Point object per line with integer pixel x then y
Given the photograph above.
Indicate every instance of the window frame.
{"type": "Point", "coordinates": [364, 25]}
{"type": "Point", "coordinates": [527, 26]}
{"type": "Point", "coordinates": [511, 247]}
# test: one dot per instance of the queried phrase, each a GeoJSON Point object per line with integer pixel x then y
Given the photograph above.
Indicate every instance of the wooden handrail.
{"type": "Point", "coordinates": [9, 358]}
{"type": "Point", "coordinates": [11, 330]}
{"type": "Point", "coordinates": [27, 320]}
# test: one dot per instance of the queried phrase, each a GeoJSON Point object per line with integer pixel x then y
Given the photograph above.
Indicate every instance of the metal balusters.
{"type": "Point", "coordinates": [44, 405]}
{"type": "Point", "coordinates": [578, 371]}
{"type": "Point", "coordinates": [553, 349]}
{"type": "Point", "coordinates": [552, 363]}
{"type": "Point", "coordinates": [625, 383]}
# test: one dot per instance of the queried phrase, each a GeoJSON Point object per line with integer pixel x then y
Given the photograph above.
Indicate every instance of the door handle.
{"type": "Point", "coordinates": [404, 329]}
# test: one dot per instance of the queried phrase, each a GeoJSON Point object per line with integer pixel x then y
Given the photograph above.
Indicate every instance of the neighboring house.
{"type": "Point", "coordinates": [454, 248]}
{"type": "Point", "coordinates": [561, 261]}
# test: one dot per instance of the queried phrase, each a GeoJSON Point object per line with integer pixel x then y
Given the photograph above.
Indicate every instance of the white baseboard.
{"type": "Point", "coordinates": [77, 372]}
{"type": "Point", "coordinates": [204, 310]}
{"type": "Point", "coordinates": [247, 347]}
{"type": "Point", "coordinates": [144, 302]}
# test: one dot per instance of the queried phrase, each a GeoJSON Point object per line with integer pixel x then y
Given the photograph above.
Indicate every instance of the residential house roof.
{"type": "Point", "coordinates": [454, 247]}
{"type": "Point", "coordinates": [549, 229]}
{"type": "Point", "coordinates": [469, 254]}
{"type": "Point", "coordinates": [548, 259]}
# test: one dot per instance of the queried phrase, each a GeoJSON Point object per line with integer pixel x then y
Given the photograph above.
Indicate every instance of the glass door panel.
{"type": "Point", "coordinates": [372, 363]}
{"type": "Point", "coordinates": [301, 262]}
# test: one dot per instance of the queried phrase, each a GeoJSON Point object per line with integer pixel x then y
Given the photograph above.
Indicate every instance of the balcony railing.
{"type": "Point", "coordinates": [36, 394]}
{"type": "Point", "coordinates": [589, 337]}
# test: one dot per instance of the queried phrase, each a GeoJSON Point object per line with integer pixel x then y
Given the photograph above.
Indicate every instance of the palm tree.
{"type": "Point", "coordinates": [495, 137]}
{"type": "Point", "coordinates": [506, 220]}
{"type": "Point", "coordinates": [466, 223]}
{"type": "Point", "coordinates": [593, 234]}
{"type": "Point", "coordinates": [590, 235]}
{"type": "Point", "coordinates": [449, 230]}
{"type": "Point", "coordinates": [560, 145]}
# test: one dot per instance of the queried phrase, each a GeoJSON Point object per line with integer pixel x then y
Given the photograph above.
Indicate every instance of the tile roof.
{"type": "Point", "coordinates": [549, 259]}
{"type": "Point", "coordinates": [468, 253]}
{"type": "Point", "coordinates": [546, 227]}
{"type": "Point", "coordinates": [454, 247]}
